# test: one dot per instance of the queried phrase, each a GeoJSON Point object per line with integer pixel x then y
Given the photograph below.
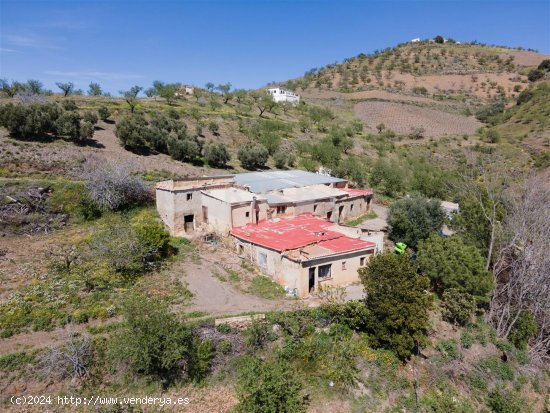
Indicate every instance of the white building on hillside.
{"type": "Point", "coordinates": [283, 95]}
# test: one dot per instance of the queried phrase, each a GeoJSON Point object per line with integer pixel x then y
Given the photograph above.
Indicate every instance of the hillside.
{"type": "Point", "coordinates": [85, 262]}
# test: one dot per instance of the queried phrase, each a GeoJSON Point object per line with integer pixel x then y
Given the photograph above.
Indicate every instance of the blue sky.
{"type": "Point", "coordinates": [248, 43]}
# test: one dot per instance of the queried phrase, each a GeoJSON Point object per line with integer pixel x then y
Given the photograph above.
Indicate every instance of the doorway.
{"type": "Point", "coordinates": [205, 214]}
{"type": "Point", "coordinates": [340, 211]}
{"type": "Point", "coordinates": [189, 222]}
{"type": "Point", "coordinates": [329, 214]}
{"type": "Point", "coordinates": [311, 284]}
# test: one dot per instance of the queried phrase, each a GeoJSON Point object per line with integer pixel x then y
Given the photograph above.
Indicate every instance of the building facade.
{"type": "Point", "coordinates": [221, 203]}
{"type": "Point", "coordinates": [303, 253]}
{"type": "Point", "coordinates": [283, 95]}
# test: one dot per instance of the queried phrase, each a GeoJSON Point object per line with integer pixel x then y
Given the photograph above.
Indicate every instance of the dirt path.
{"type": "Point", "coordinates": [220, 298]}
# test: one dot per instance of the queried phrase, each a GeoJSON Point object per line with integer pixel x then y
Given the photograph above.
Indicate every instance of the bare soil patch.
{"type": "Point", "coordinates": [402, 118]}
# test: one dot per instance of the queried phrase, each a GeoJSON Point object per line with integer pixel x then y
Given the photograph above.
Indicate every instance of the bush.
{"type": "Point", "coordinates": [132, 131]}
{"type": "Point", "coordinates": [450, 263]}
{"type": "Point", "coordinates": [113, 187]}
{"type": "Point", "coordinates": [535, 74]}
{"type": "Point", "coordinates": [466, 339]}
{"type": "Point", "coordinates": [90, 116]}
{"type": "Point", "coordinates": [151, 341]}
{"type": "Point", "coordinates": [184, 150]}
{"type": "Point", "coordinates": [545, 65]}
{"type": "Point", "coordinates": [68, 124]}
{"type": "Point", "coordinates": [449, 349]}
{"type": "Point", "coordinates": [495, 365]}
{"type": "Point", "coordinates": [387, 177]}
{"type": "Point", "coordinates": [86, 130]}
{"type": "Point", "coordinates": [253, 156]}
{"type": "Point", "coordinates": [524, 328]}
{"type": "Point", "coordinates": [269, 387]}
{"type": "Point", "coordinates": [353, 314]}
{"type": "Point", "coordinates": [486, 113]}
{"type": "Point", "coordinates": [458, 307]}
{"type": "Point", "coordinates": [283, 158]}
{"type": "Point", "coordinates": [130, 248]}
{"type": "Point", "coordinates": [216, 155]}
{"type": "Point", "coordinates": [201, 359]}
{"type": "Point", "coordinates": [213, 127]}
{"type": "Point", "coordinates": [104, 113]}
{"type": "Point", "coordinates": [414, 219]}
{"type": "Point", "coordinates": [30, 120]}
{"type": "Point", "coordinates": [397, 303]}
{"type": "Point", "coordinates": [258, 334]}
{"type": "Point", "coordinates": [492, 136]}
{"type": "Point", "coordinates": [506, 401]}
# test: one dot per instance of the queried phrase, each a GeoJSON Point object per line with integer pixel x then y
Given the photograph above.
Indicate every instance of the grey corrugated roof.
{"type": "Point", "coordinates": [260, 182]}
{"type": "Point", "coordinates": [274, 199]}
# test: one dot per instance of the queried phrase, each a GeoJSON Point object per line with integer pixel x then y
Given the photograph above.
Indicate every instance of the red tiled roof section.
{"type": "Point", "coordinates": [297, 232]}
{"type": "Point", "coordinates": [357, 192]}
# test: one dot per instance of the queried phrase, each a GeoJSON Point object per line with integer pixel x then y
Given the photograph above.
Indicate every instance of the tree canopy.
{"type": "Point", "coordinates": [414, 219]}
{"type": "Point", "coordinates": [450, 263]}
{"type": "Point", "coordinates": [398, 303]}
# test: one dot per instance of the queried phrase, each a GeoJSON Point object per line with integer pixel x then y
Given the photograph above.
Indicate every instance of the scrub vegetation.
{"type": "Point", "coordinates": [454, 324]}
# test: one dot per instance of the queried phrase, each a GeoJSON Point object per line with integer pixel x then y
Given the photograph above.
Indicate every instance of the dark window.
{"type": "Point", "coordinates": [351, 208]}
{"type": "Point", "coordinates": [314, 207]}
{"type": "Point", "coordinates": [362, 261]}
{"type": "Point", "coordinates": [325, 271]}
{"type": "Point", "coordinates": [281, 209]}
{"type": "Point", "coordinates": [343, 265]}
{"type": "Point", "coordinates": [247, 214]}
{"type": "Point", "coordinates": [189, 197]}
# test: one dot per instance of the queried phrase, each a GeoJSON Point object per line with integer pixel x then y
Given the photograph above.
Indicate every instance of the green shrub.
{"type": "Point", "coordinates": [458, 307]}
{"type": "Point", "coordinates": [258, 334]}
{"type": "Point", "coordinates": [414, 219]}
{"type": "Point", "coordinates": [397, 302]}
{"type": "Point", "coordinates": [79, 316]}
{"type": "Point", "coordinates": [14, 361]}
{"type": "Point", "coordinates": [353, 314]}
{"type": "Point", "coordinates": [90, 117]}
{"type": "Point", "coordinates": [496, 366]}
{"type": "Point", "coordinates": [449, 349]}
{"type": "Point", "coordinates": [450, 263]}
{"type": "Point", "coordinates": [524, 328]}
{"type": "Point", "coordinates": [224, 346]}
{"type": "Point", "coordinates": [104, 112]}
{"type": "Point", "coordinates": [224, 328]}
{"type": "Point", "coordinates": [151, 340]}
{"type": "Point", "coordinates": [253, 156]}
{"type": "Point", "coordinates": [507, 401]}
{"type": "Point", "coordinates": [535, 74]}
{"type": "Point", "coordinates": [201, 359]}
{"type": "Point", "coordinates": [216, 155]}
{"type": "Point", "coordinates": [269, 387]}
{"type": "Point", "coordinates": [466, 339]}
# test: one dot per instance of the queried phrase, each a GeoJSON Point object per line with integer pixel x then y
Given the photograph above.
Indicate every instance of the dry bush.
{"type": "Point", "coordinates": [113, 186]}
{"type": "Point", "coordinates": [71, 360]}
{"type": "Point", "coordinates": [522, 269]}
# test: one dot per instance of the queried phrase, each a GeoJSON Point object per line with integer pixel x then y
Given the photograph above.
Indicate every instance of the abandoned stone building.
{"type": "Point", "coordinates": [220, 203]}
{"type": "Point", "coordinates": [286, 222]}
{"type": "Point", "coordinates": [303, 253]}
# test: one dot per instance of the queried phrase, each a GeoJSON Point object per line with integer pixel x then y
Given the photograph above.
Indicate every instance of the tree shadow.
{"type": "Point", "coordinates": [92, 143]}
{"type": "Point", "coordinates": [143, 151]}
{"type": "Point", "coordinates": [34, 138]}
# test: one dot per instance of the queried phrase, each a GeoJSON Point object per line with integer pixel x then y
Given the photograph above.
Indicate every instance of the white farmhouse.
{"type": "Point", "coordinates": [283, 95]}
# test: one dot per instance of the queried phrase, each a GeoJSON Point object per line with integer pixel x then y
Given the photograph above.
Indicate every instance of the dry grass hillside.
{"type": "Point", "coordinates": [425, 78]}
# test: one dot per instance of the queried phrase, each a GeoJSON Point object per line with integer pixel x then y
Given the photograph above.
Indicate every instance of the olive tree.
{"type": "Point", "coordinates": [66, 87]}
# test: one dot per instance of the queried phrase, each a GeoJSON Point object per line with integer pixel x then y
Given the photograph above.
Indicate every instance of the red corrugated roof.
{"type": "Point", "coordinates": [297, 232]}
{"type": "Point", "coordinates": [356, 192]}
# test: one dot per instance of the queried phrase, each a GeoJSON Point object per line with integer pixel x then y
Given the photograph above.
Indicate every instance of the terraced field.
{"type": "Point", "coordinates": [402, 118]}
